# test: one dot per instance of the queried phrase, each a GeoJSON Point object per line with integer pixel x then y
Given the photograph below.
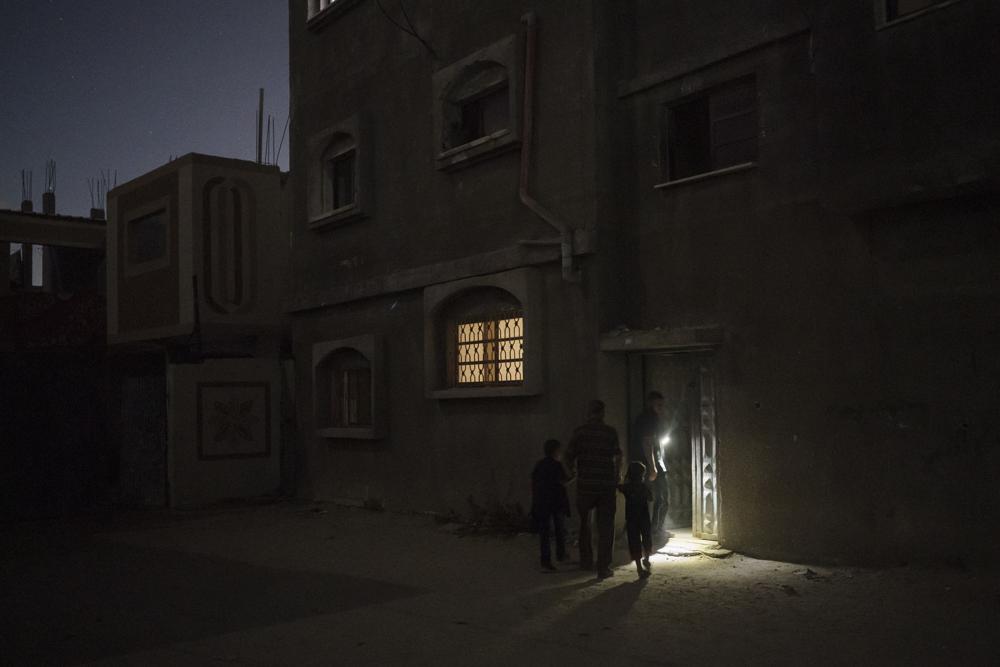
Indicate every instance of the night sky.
{"type": "Point", "coordinates": [125, 84]}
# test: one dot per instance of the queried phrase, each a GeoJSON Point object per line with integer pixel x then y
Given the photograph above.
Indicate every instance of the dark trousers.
{"type": "Point", "coordinates": [546, 524]}
{"type": "Point", "coordinates": [660, 502]}
{"type": "Point", "coordinates": [637, 527]}
{"type": "Point", "coordinates": [604, 506]}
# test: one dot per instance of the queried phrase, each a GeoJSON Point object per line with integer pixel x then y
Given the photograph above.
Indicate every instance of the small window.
{"type": "Point", "coordinates": [315, 7]}
{"type": "Point", "coordinates": [484, 115]}
{"type": "Point", "coordinates": [147, 238]}
{"type": "Point", "coordinates": [351, 393]}
{"type": "Point", "coordinates": [712, 131]}
{"type": "Point", "coordinates": [897, 9]}
{"type": "Point", "coordinates": [477, 105]}
{"type": "Point", "coordinates": [490, 351]}
{"type": "Point", "coordinates": [341, 171]}
{"type": "Point", "coordinates": [348, 392]}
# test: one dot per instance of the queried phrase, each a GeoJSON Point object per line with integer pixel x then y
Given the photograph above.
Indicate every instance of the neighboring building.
{"type": "Point", "coordinates": [198, 251]}
{"type": "Point", "coordinates": [54, 453]}
{"type": "Point", "coordinates": [784, 216]}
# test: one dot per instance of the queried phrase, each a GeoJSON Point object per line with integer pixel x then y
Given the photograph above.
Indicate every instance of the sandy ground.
{"type": "Point", "coordinates": [293, 584]}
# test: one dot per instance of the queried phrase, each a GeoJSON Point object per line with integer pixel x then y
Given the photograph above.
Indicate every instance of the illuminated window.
{"type": "Point", "coordinates": [490, 351]}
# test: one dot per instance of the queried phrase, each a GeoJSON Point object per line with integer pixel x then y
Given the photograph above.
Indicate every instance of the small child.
{"type": "Point", "coordinates": [550, 503]}
{"type": "Point", "coordinates": [637, 525]}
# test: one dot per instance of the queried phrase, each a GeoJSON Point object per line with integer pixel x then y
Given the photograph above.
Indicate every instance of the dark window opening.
{"type": "Point", "coordinates": [147, 238]}
{"type": "Point", "coordinates": [348, 378]}
{"type": "Point", "coordinates": [341, 173]}
{"type": "Point", "coordinates": [713, 131]}
{"type": "Point", "coordinates": [483, 115]}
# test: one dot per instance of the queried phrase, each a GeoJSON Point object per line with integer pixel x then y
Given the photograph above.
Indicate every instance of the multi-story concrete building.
{"type": "Point", "coordinates": [784, 217]}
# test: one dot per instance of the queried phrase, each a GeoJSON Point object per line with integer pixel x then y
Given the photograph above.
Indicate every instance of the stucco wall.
{"type": "Point", "coordinates": [439, 452]}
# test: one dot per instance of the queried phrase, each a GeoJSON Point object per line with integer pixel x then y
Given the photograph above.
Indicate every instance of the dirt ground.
{"type": "Point", "coordinates": [293, 584]}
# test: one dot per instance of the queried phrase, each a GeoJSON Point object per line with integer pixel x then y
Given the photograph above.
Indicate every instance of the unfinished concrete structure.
{"type": "Point", "coordinates": [54, 455]}
{"type": "Point", "coordinates": [197, 256]}
{"type": "Point", "coordinates": [784, 216]}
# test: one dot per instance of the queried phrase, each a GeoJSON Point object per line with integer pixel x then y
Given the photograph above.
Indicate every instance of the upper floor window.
{"type": "Point", "coordinates": [317, 6]}
{"type": "Point", "coordinates": [712, 131]}
{"type": "Point", "coordinates": [340, 164]}
{"type": "Point", "coordinates": [147, 238]}
{"type": "Point", "coordinates": [899, 9]}
{"type": "Point", "coordinates": [476, 103]}
{"type": "Point", "coordinates": [338, 189]}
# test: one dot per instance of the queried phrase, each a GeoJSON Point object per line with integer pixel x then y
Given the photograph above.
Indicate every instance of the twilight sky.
{"type": "Point", "coordinates": [125, 84]}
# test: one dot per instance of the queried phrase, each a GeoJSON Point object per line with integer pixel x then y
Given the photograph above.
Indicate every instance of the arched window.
{"type": "Point", "coordinates": [485, 339]}
{"type": "Point", "coordinates": [347, 380]}
{"type": "Point", "coordinates": [346, 387]}
{"type": "Point", "coordinates": [476, 105]}
{"type": "Point", "coordinates": [339, 186]}
{"type": "Point", "coordinates": [339, 173]}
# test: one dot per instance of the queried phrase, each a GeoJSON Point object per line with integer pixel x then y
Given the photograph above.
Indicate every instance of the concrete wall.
{"type": "Point", "coordinates": [224, 430]}
{"type": "Point", "coordinates": [849, 270]}
{"type": "Point", "coordinates": [427, 226]}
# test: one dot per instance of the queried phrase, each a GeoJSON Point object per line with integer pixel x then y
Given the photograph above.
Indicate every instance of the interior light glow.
{"type": "Point", "coordinates": [665, 440]}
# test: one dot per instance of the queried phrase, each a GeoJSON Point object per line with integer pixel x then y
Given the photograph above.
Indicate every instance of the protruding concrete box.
{"type": "Point", "coordinates": [196, 243]}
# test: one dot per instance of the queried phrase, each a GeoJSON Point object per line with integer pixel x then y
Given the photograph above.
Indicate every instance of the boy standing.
{"type": "Point", "coordinates": [637, 524]}
{"type": "Point", "coordinates": [549, 503]}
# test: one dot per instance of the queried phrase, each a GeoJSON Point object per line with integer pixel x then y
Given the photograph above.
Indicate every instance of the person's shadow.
{"type": "Point", "coordinates": [601, 612]}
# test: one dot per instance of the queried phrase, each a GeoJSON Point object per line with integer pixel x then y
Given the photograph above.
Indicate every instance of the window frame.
{"type": "Point", "coordinates": [159, 206]}
{"type": "Point", "coordinates": [449, 96]}
{"type": "Point", "coordinates": [668, 131]}
{"type": "Point", "coordinates": [489, 344]}
{"type": "Point", "coordinates": [337, 140]}
{"type": "Point", "coordinates": [885, 19]}
{"type": "Point", "coordinates": [521, 290]}
{"type": "Point", "coordinates": [370, 348]}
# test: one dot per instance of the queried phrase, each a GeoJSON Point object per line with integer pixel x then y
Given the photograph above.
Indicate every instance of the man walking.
{"type": "Point", "coordinates": [595, 455]}
{"type": "Point", "coordinates": [645, 445]}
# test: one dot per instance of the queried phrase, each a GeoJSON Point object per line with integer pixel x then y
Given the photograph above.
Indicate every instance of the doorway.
{"type": "Point", "coordinates": [690, 446]}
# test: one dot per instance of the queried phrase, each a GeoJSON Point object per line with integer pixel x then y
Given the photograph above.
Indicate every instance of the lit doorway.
{"type": "Point", "coordinates": [691, 454]}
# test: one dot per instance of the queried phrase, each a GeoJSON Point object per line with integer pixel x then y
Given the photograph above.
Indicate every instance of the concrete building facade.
{"type": "Point", "coordinates": [784, 217]}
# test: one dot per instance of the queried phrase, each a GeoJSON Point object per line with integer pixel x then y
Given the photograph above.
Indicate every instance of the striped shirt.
{"type": "Point", "coordinates": [594, 452]}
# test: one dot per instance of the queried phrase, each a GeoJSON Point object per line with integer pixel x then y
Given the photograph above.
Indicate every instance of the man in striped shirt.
{"type": "Point", "coordinates": [595, 455]}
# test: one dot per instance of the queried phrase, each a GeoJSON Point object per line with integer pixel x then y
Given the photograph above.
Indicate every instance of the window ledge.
{"type": "Point", "coordinates": [885, 23]}
{"type": "Point", "coordinates": [473, 151]}
{"type": "Point", "coordinates": [735, 169]}
{"type": "Point", "coordinates": [353, 433]}
{"type": "Point", "coordinates": [337, 217]}
{"type": "Point", "coordinates": [336, 8]}
{"type": "Point", "coordinates": [483, 392]}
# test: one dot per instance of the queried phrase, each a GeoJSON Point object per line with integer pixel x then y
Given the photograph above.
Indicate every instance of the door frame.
{"type": "Point", "coordinates": [704, 342]}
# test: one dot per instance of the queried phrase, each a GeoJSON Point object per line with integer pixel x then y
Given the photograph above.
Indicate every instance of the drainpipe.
{"type": "Point", "coordinates": [565, 240]}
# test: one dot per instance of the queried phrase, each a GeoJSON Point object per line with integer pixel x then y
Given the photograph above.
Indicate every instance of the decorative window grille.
{"type": "Point", "coordinates": [490, 351]}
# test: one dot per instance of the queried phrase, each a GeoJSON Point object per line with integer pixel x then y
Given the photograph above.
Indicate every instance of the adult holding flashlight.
{"type": "Point", "coordinates": [649, 436]}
